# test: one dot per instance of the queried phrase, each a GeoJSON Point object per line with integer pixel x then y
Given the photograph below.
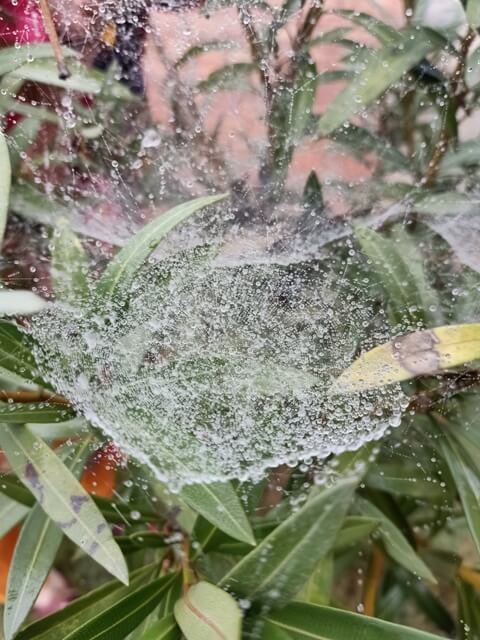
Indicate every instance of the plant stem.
{"type": "Point", "coordinates": [470, 576]}
{"type": "Point", "coordinates": [33, 396]}
{"type": "Point", "coordinates": [457, 94]}
{"type": "Point", "coordinates": [63, 72]}
{"type": "Point", "coordinates": [374, 580]}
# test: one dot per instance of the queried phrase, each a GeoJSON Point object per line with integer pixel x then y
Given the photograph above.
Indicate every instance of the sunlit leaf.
{"type": "Point", "coordinates": [414, 354]}
{"type": "Point", "coordinates": [276, 570]}
{"type": "Point", "coordinates": [303, 621]}
{"type": "Point", "coordinates": [126, 263]}
{"type": "Point", "coordinates": [220, 505]}
{"type": "Point", "coordinates": [205, 611]}
{"type": "Point", "coordinates": [62, 497]}
{"type": "Point", "coordinates": [318, 588]}
{"type": "Point", "coordinates": [383, 68]}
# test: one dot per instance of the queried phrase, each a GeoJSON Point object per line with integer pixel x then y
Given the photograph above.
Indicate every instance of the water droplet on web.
{"type": "Point", "coordinates": [219, 368]}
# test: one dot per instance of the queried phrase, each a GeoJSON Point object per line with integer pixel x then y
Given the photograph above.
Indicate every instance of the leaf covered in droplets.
{"type": "Point", "coordinates": [62, 497]}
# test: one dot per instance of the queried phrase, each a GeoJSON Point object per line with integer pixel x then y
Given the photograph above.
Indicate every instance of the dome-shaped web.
{"type": "Point", "coordinates": [214, 371]}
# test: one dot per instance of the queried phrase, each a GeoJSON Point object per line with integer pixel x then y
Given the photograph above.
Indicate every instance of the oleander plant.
{"type": "Point", "coordinates": [232, 408]}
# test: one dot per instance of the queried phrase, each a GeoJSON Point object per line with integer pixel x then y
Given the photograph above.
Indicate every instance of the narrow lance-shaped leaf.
{"type": "Point", "coordinates": [11, 513]}
{"type": "Point", "coordinates": [420, 353]}
{"type": "Point", "coordinates": [278, 568]}
{"type": "Point", "coordinates": [37, 413]}
{"type": "Point", "coordinates": [13, 57]}
{"type": "Point", "coordinates": [34, 555]}
{"type": "Point", "coordinates": [395, 543]}
{"type": "Point", "coordinates": [126, 614]}
{"type": "Point", "coordinates": [164, 629]}
{"type": "Point", "coordinates": [69, 263]}
{"type": "Point", "coordinates": [301, 621]}
{"type": "Point", "coordinates": [62, 497]}
{"type": "Point", "coordinates": [384, 67]}
{"type": "Point", "coordinates": [16, 353]}
{"type": "Point", "coordinates": [220, 505]}
{"type": "Point", "coordinates": [473, 13]}
{"type": "Point", "coordinates": [205, 611]}
{"type": "Point", "coordinates": [58, 625]}
{"type": "Point", "coordinates": [128, 260]}
{"type": "Point", "coordinates": [467, 482]}
{"type": "Point", "coordinates": [5, 181]}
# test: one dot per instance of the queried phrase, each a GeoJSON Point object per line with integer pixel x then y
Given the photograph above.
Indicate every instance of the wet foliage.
{"type": "Point", "coordinates": [239, 399]}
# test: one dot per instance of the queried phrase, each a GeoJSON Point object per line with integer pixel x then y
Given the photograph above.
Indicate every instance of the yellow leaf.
{"type": "Point", "coordinates": [415, 354]}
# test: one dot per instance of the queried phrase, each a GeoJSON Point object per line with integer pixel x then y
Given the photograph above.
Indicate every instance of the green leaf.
{"type": "Point", "coordinates": [16, 353]}
{"type": "Point", "coordinates": [34, 555]}
{"type": "Point", "coordinates": [467, 482]}
{"type": "Point", "coordinates": [361, 142]}
{"type": "Point", "coordinates": [205, 611]}
{"type": "Point", "coordinates": [62, 497]}
{"type": "Point", "coordinates": [395, 274]}
{"type": "Point", "coordinates": [468, 612]}
{"type": "Point", "coordinates": [205, 47]}
{"type": "Point", "coordinates": [385, 33]}
{"type": "Point", "coordinates": [472, 69]}
{"type": "Point", "coordinates": [383, 68]}
{"type": "Point", "coordinates": [13, 57]}
{"type": "Point", "coordinates": [164, 629]}
{"type": "Point", "coordinates": [318, 588]}
{"type": "Point", "coordinates": [46, 72]}
{"type": "Point", "coordinates": [69, 264]}
{"type": "Point", "coordinates": [473, 13]}
{"type": "Point", "coordinates": [60, 624]}
{"type": "Point", "coordinates": [447, 21]}
{"type": "Point", "coordinates": [125, 615]}
{"type": "Point", "coordinates": [303, 621]}
{"type": "Point", "coordinates": [354, 529]}
{"type": "Point", "coordinates": [5, 180]}
{"type": "Point", "coordinates": [129, 259]}
{"type": "Point", "coordinates": [395, 543]}
{"type": "Point", "coordinates": [36, 412]}
{"type": "Point", "coordinates": [220, 505]}
{"type": "Point", "coordinates": [411, 355]}
{"type": "Point", "coordinates": [280, 565]}
{"type": "Point", "coordinates": [14, 302]}
{"type": "Point", "coordinates": [230, 76]}
{"type": "Point", "coordinates": [11, 513]}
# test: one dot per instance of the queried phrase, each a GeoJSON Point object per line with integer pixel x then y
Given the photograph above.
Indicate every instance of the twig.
{"type": "Point", "coordinates": [457, 94]}
{"type": "Point", "coordinates": [470, 576]}
{"type": "Point", "coordinates": [314, 14]}
{"type": "Point", "coordinates": [256, 49]}
{"type": "Point", "coordinates": [373, 581]}
{"type": "Point", "coordinates": [33, 396]}
{"type": "Point", "coordinates": [63, 72]}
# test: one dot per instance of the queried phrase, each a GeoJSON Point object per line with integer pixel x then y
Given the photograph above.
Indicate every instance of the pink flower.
{"type": "Point", "coordinates": [21, 23]}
